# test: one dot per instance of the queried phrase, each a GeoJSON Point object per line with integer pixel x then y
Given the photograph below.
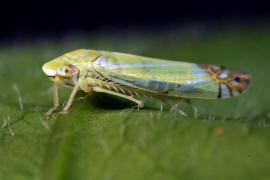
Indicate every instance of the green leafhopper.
{"type": "Point", "coordinates": [130, 76]}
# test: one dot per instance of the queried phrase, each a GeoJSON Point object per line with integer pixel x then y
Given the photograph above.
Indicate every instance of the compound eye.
{"type": "Point", "coordinates": [67, 71]}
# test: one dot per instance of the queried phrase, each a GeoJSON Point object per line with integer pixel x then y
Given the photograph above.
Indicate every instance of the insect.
{"type": "Point", "coordinates": [131, 77]}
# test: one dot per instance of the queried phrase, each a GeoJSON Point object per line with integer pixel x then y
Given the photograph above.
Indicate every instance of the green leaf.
{"type": "Point", "coordinates": [104, 137]}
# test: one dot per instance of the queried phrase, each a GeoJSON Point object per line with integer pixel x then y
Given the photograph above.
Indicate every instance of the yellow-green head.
{"type": "Point", "coordinates": [65, 69]}
{"type": "Point", "coordinates": [62, 73]}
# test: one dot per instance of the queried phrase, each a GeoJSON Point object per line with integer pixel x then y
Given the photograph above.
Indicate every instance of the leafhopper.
{"type": "Point", "coordinates": [130, 77]}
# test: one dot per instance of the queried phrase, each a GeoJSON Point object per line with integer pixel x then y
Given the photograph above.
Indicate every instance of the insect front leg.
{"type": "Point", "coordinates": [55, 100]}
{"type": "Point", "coordinates": [99, 89]}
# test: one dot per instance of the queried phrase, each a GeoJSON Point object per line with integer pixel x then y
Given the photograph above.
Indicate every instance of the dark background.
{"type": "Point", "coordinates": [37, 19]}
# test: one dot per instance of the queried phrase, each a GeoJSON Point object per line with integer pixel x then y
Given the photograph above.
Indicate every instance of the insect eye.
{"type": "Point", "coordinates": [66, 70]}
{"type": "Point", "coordinates": [237, 79]}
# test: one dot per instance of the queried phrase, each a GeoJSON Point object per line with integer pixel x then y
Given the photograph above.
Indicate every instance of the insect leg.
{"type": "Point", "coordinates": [73, 93]}
{"type": "Point", "coordinates": [55, 100]}
{"type": "Point", "coordinates": [98, 89]}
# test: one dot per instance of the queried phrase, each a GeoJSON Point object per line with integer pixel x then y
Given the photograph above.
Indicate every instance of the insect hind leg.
{"type": "Point", "coordinates": [131, 98]}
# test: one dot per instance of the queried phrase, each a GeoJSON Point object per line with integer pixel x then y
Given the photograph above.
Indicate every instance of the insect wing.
{"type": "Point", "coordinates": [158, 76]}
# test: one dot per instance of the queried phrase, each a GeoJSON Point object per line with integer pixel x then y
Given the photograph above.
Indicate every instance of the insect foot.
{"type": "Point", "coordinates": [141, 104]}
{"type": "Point", "coordinates": [64, 112]}
{"type": "Point", "coordinates": [49, 113]}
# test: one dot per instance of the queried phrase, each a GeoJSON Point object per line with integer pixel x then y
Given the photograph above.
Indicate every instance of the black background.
{"type": "Point", "coordinates": [34, 19]}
